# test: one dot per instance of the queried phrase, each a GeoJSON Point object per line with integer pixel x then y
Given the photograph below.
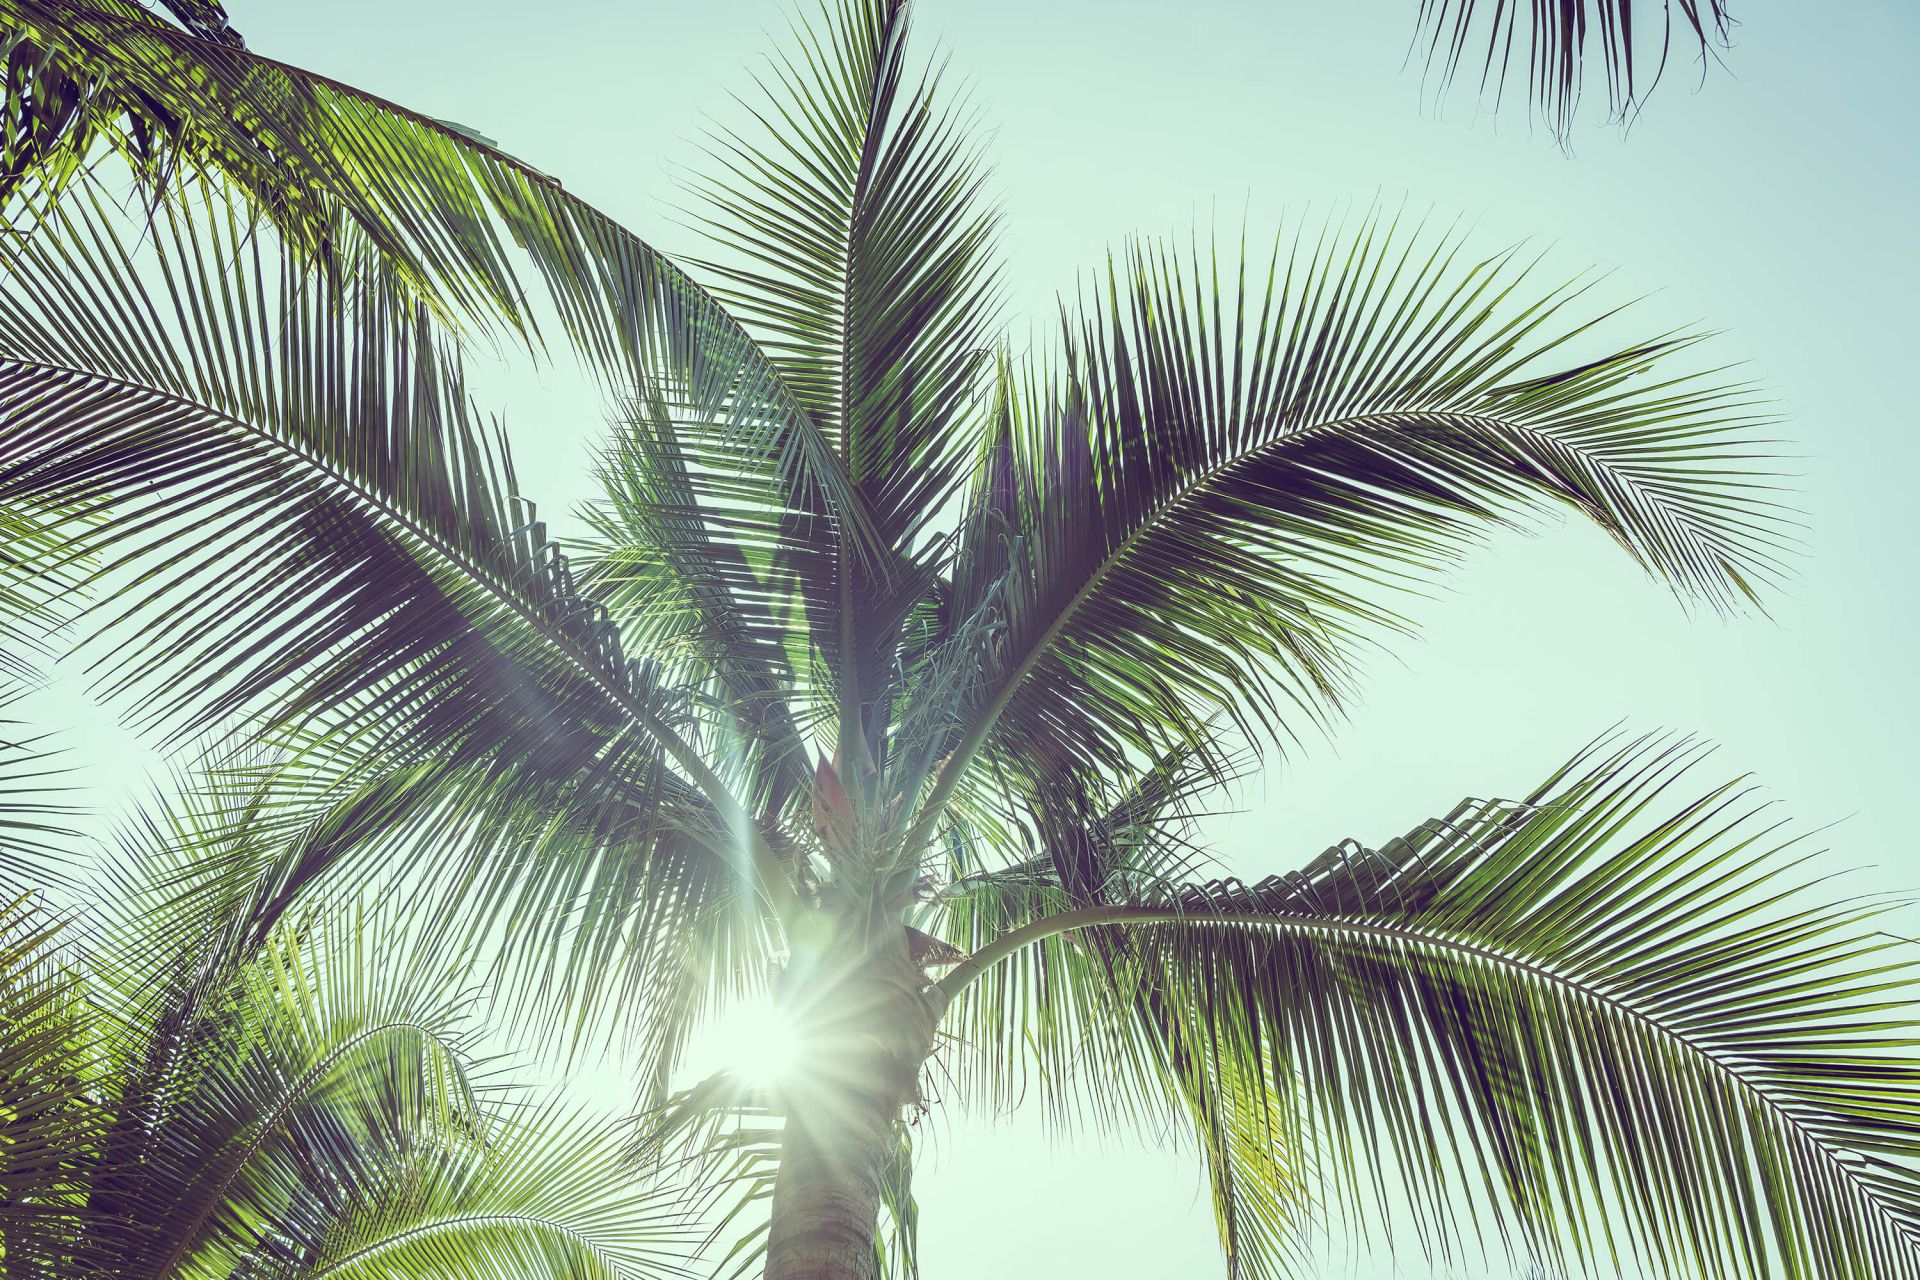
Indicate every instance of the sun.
{"type": "Point", "coordinates": [752, 1039]}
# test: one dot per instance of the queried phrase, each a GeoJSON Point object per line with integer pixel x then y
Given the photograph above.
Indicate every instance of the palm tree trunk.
{"type": "Point", "coordinates": [866, 1019]}
{"type": "Point", "coordinates": [826, 1196]}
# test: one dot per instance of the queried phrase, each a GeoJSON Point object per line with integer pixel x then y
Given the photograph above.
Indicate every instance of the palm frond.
{"type": "Point", "coordinates": [573, 908]}
{"type": "Point", "coordinates": [859, 247]}
{"type": "Point", "coordinates": [1605, 1021]}
{"type": "Point", "coordinates": [722, 1135]}
{"type": "Point", "coordinates": [1081, 1013]}
{"type": "Point", "coordinates": [49, 1114]}
{"type": "Point", "coordinates": [1552, 41]}
{"type": "Point", "coordinates": [897, 1243]}
{"type": "Point", "coordinates": [314, 533]}
{"type": "Point", "coordinates": [851, 237]}
{"type": "Point", "coordinates": [1211, 507]}
{"type": "Point", "coordinates": [540, 1193]}
{"type": "Point", "coordinates": [38, 601]}
{"type": "Point", "coordinates": [319, 530]}
{"type": "Point", "coordinates": [187, 1101]}
{"type": "Point", "coordinates": [344, 177]}
{"type": "Point", "coordinates": [705, 591]}
{"type": "Point", "coordinates": [35, 811]}
{"type": "Point", "coordinates": [316, 1071]}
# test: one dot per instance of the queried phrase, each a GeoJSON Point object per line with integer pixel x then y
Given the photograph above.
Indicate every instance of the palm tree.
{"type": "Point", "coordinates": [893, 651]}
{"type": "Point", "coordinates": [183, 1101]}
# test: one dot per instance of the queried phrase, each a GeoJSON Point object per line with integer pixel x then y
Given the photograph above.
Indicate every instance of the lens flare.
{"type": "Point", "coordinates": [752, 1039]}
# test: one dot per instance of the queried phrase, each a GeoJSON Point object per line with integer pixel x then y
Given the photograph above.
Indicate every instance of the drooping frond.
{"type": "Point", "coordinates": [1078, 1020]}
{"type": "Point", "coordinates": [1216, 501]}
{"type": "Point", "coordinates": [348, 179]}
{"type": "Point", "coordinates": [312, 530]}
{"type": "Point", "coordinates": [897, 1244]}
{"type": "Point", "coordinates": [570, 911]}
{"type": "Point", "coordinates": [1604, 1021]}
{"type": "Point", "coordinates": [311, 524]}
{"type": "Point", "coordinates": [1552, 43]}
{"type": "Point", "coordinates": [291, 1096]}
{"type": "Point", "coordinates": [187, 1102]}
{"type": "Point", "coordinates": [234, 1093]}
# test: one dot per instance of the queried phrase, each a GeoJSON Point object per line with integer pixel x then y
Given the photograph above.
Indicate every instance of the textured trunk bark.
{"type": "Point", "coordinates": [866, 1022]}
{"type": "Point", "coordinates": [826, 1197]}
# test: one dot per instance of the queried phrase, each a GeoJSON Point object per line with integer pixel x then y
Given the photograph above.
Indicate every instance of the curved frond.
{"type": "Point", "coordinates": [289, 1094]}
{"type": "Point", "coordinates": [1214, 505]}
{"type": "Point", "coordinates": [707, 594]}
{"type": "Point", "coordinates": [310, 523]}
{"type": "Point", "coordinates": [546, 1193]}
{"type": "Point", "coordinates": [190, 1101]}
{"type": "Point", "coordinates": [1605, 1020]}
{"type": "Point", "coordinates": [49, 1112]}
{"type": "Point", "coordinates": [1078, 1019]}
{"type": "Point", "coordinates": [584, 907]}
{"type": "Point", "coordinates": [351, 180]}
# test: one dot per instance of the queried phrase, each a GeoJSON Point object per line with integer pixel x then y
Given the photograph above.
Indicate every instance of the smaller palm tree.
{"type": "Point", "coordinates": [182, 1101]}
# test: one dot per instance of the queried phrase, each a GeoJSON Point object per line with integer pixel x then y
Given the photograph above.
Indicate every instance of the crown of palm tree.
{"type": "Point", "coordinates": [895, 649]}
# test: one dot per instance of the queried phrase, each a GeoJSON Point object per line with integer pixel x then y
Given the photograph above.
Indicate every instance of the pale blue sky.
{"type": "Point", "coordinates": [1777, 204]}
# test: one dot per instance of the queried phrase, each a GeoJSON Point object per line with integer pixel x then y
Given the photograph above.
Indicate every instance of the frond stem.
{"type": "Point", "coordinates": [963, 974]}
{"type": "Point", "coordinates": [462, 1222]}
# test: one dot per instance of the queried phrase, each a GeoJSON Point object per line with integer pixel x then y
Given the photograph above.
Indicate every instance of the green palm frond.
{"type": "Point", "coordinates": [38, 601]}
{"type": "Point", "coordinates": [314, 1070]}
{"type": "Point", "coordinates": [320, 530]}
{"type": "Point", "coordinates": [858, 247]}
{"type": "Point", "coordinates": [575, 911]}
{"type": "Point", "coordinates": [1552, 42]}
{"type": "Point", "coordinates": [1211, 507]}
{"type": "Point", "coordinates": [1079, 1011]}
{"type": "Point", "coordinates": [1138, 848]}
{"type": "Point", "coordinates": [311, 530]}
{"type": "Point", "coordinates": [722, 1135]}
{"type": "Point", "coordinates": [1604, 1020]}
{"type": "Point", "coordinates": [258, 1082]}
{"type": "Point", "coordinates": [706, 593]}
{"type": "Point", "coordinates": [49, 1115]}
{"type": "Point", "coordinates": [346, 177]}
{"type": "Point", "coordinates": [851, 237]}
{"type": "Point", "coordinates": [186, 1102]}
{"type": "Point", "coordinates": [34, 812]}
{"type": "Point", "coordinates": [544, 1193]}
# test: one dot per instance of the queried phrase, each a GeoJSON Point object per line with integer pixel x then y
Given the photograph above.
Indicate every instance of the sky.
{"type": "Point", "coordinates": [1773, 202]}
